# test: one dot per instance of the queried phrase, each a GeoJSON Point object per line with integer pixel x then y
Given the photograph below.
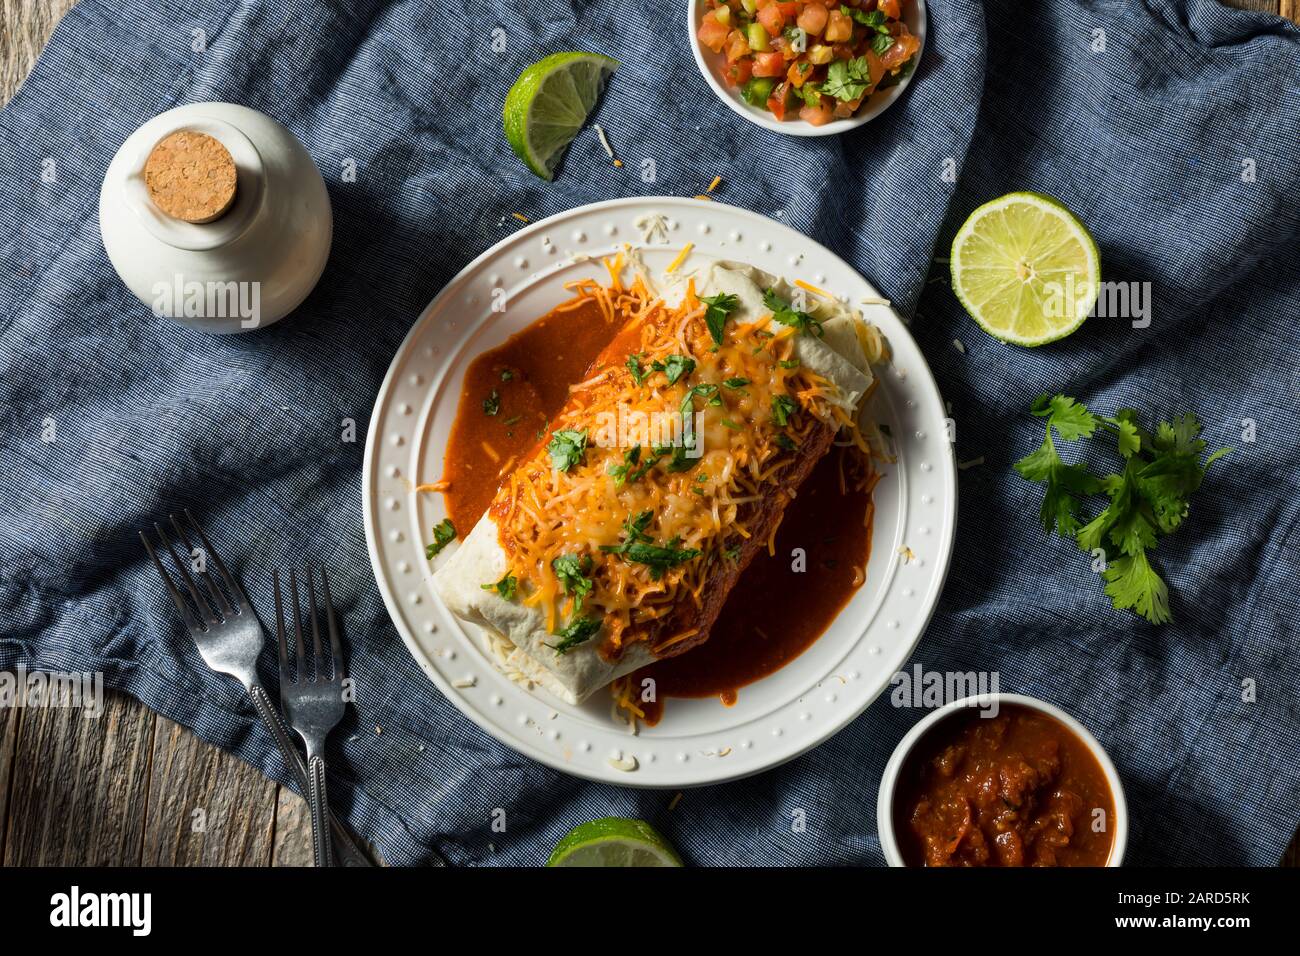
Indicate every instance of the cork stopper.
{"type": "Point", "coordinates": [190, 176]}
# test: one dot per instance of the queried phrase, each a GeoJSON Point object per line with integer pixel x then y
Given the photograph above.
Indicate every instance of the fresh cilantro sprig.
{"type": "Point", "coordinates": [783, 313]}
{"type": "Point", "coordinates": [1150, 497]}
{"type": "Point", "coordinates": [573, 572]}
{"type": "Point", "coordinates": [639, 548]}
{"type": "Point", "coordinates": [675, 367]}
{"type": "Point", "coordinates": [567, 448]}
{"type": "Point", "coordinates": [578, 631]}
{"type": "Point", "coordinates": [507, 587]}
{"type": "Point", "coordinates": [715, 316]}
{"type": "Point", "coordinates": [444, 533]}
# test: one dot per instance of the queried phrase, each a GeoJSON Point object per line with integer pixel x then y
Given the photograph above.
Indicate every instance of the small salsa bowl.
{"type": "Point", "coordinates": [889, 781]}
{"type": "Point", "coordinates": [711, 65]}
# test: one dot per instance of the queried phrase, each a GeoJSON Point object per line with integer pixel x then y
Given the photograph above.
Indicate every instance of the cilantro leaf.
{"type": "Point", "coordinates": [1132, 583]}
{"type": "Point", "coordinates": [444, 533]}
{"type": "Point", "coordinates": [847, 80]}
{"type": "Point", "coordinates": [783, 406]}
{"type": "Point", "coordinates": [506, 587]}
{"type": "Point", "coordinates": [578, 631]}
{"type": "Point", "coordinates": [572, 571]}
{"type": "Point", "coordinates": [675, 367]}
{"type": "Point", "coordinates": [567, 448]}
{"type": "Point", "coordinates": [784, 314]}
{"type": "Point", "coordinates": [715, 316]}
{"type": "Point", "coordinates": [492, 404]}
{"type": "Point", "coordinates": [634, 366]}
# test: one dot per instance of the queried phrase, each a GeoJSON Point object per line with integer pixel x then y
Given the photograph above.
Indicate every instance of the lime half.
{"type": "Point", "coordinates": [549, 103]}
{"type": "Point", "coordinates": [1026, 269]}
{"type": "Point", "coordinates": [614, 841]}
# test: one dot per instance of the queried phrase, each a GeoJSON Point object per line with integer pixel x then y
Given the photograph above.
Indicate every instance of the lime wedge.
{"type": "Point", "coordinates": [549, 103]}
{"type": "Point", "coordinates": [1026, 269]}
{"type": "Point", "coordinates": [614, 841]}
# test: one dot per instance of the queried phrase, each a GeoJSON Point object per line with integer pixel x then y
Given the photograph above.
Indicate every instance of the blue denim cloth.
{"type": "Point", "coordinates": [1142, 129]}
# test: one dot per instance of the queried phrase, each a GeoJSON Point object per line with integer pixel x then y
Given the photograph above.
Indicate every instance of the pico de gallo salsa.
{"type": "Point", "coordinates": [817, 61]}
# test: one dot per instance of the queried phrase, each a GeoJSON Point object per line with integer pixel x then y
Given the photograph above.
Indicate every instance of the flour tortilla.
{"type": "Point", "coordinates": [514, 636]}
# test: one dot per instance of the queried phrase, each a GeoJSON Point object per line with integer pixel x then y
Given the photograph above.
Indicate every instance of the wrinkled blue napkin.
{"type": "Point", "coordinates": [1169, 127]}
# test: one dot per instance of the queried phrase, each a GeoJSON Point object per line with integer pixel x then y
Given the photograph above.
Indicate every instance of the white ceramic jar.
{"type": "Point", "coordinates": [250, 267]}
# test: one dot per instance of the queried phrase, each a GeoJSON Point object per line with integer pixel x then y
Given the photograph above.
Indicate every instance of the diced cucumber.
{"type": "Point", "coordinates": [758, 38]}
{"type": "Point", "coordinates": [757, 90]}
{"type": "Point", "coordinates": [751, 6]}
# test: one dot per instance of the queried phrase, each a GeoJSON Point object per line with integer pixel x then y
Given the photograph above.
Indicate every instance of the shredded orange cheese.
{"type": "Point", "coordinates": [681, 257]}
{"type": "Point", "coordinates": [702, 507]}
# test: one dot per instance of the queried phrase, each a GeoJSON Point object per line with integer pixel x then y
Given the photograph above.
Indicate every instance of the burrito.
{"type": "Point", "coordinates": [615, 542]}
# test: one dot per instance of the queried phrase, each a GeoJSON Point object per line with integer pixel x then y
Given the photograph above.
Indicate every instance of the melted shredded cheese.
{"type": "Point", "coordinates": [704, 506]}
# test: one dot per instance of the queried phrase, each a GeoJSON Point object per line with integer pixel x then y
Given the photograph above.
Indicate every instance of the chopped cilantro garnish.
{"type": "Point", "coordinates": [578, 631]}
{"type": "Point", "coordinates": [506, 587]}
{"type": "Point", "coordinates": [785, 441]}
{"type": "Point", "coordinates": [783, 406]}
{"type": "Point", "coordinates": [704, 390]}
{"type": "Point", "coordinates": [507, 374]}
{"type": "Point", "coordinates": [715, 317]}
{"type": "Point", "coordinates": [1149, 498]}
{"type": "Point", "coordinates": [675, 367]}
{"type": "Point", "coordinates": [639, 548]}
{"type": "Point", "coordinates": [847, 80]}
{"type": "Point", "coordinates": [572, 571]}
{"type": "Point", "coordinates": [783, 313]}
{"type": "Point", "coordinates": [736, 382]}
{"type": "Point", "coordinates": [728, 423]}
{"type": "Point", "coordinates": [566, 448]}
{"type": "Point", "coordinates": [634, 366]}
{"type": "Point", "coordinates": [789, 363]}
{"type": "Point", "coordinates": [444, 533]}
{"type": "Point", "coordinates": [492, 404]}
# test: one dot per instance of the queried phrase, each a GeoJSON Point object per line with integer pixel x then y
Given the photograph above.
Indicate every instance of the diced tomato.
{"type": "Point", "coordinates": [772, 18]}
{"type": "Point", "coordinates": [875, 69]}
{"type": "Point", "coordinates": [816, 115]}
{"type": "Point", "coordinates": [839, 29]}
{"type": "Point", "coordinates": [813, 19]}
{"type": "Point", "coordinates": [904, 48]}
{"type": "Point", "coordinates": [779, 100]}
{"type": "Point", "coordinates": [797, 73]}
{"type": "Point", "coordinates": [712, 33]}
{"type": "Point", "coordinates": [769, 64]}
{"type": "Point", "coordinates": [738, 73]}
{"type": "Point", "coordinates": [789, 10]}
{"type": "Point", "coordinates": [889, 8]}
{"type": "Point", "coordinates": [737, 46]}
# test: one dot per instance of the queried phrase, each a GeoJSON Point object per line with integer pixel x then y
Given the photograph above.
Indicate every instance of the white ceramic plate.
{"type": "Point", "coordinates": [712, 64]}
{"type": "Point", "coordinates": [698, 741]}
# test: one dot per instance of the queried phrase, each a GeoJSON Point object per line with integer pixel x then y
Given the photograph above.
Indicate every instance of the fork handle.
{"type": "Point", "coordinates": [349, 853]}
{"type": "Point", "coordinates": [319, 805]}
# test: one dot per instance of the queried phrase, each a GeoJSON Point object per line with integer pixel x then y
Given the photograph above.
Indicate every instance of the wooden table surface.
{"type": "Point", "coordinates": [131, 787]}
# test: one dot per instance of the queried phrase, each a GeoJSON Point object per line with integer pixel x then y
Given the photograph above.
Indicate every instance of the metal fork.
{"type": "Point", "coordinates": [229, 637]}
{"type": "Point", "coordinates": [313, 701]}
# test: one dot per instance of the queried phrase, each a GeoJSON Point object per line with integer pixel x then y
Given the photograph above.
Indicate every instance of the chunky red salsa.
{"type": "Point", "coordinates": [814, 60]}
{"type": "Point", "coordinates": [1018, 789]}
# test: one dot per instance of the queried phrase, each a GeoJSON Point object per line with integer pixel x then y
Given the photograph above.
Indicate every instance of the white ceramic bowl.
{"type": "Point", "coordinates": [711, 65]}
{"type": "Point", "coordinates": [889, 779]}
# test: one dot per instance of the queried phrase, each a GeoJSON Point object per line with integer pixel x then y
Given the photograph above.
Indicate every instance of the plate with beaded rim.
{"type": "Point", "coordinates": [699, 741]}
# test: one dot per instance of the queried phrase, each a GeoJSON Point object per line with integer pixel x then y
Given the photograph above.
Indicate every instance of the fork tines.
{"type": "Point", "coordinates": [327, 667]}
{"type": "Point", "coordinates": [202, 612]}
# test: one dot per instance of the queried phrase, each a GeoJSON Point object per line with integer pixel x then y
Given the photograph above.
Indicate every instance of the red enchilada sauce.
{"type": "Point", "coordinates": [1018, 789]}
{"type": "Point", "coordinates": [772, 615]}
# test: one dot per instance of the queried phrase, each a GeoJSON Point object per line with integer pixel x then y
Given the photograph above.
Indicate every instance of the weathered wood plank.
{"type": "Point", "coordinates": [292, 830]}
{"type": "Point", "coordinates": [79, 784]}
{"type": "Point", "coordinates": [9, 718]}
{"type": "Point", "coordinates": [206, 807]}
